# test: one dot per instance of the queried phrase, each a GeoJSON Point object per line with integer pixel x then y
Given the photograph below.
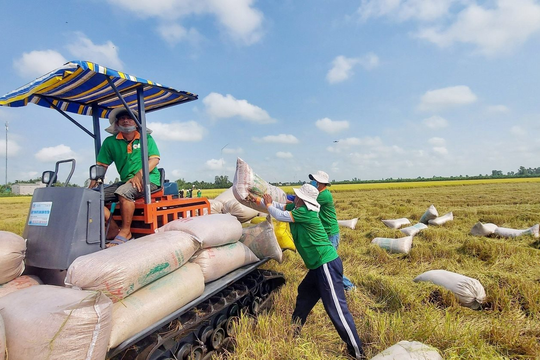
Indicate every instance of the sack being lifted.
{"type": "Point", "coordinates": [246, 182]}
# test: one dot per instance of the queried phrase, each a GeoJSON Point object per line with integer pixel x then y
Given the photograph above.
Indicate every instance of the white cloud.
{"type": "Point", "coordinates": [518, 131]}
{"type": "Point", "coordinates": [36, 63]}
{"type": "Point", "coordinates": [219, 106]}
{"type": "Point", "coordinates": [441, 150]}
{"type": "Point", "coordinates": [238, 18]}
{"type": "Point", "coordinates": [284, 155]}
{"type": "Point", "coordinates": [440, 99]}
{"type": "Point", "coordinates": [437, 141]}
{"type": "Point", "coordinates": [498, 109]}
{"type": "Point", "coordinates": [496, 30]}
{"type": "Point", "coordinates": [424, 10]}
{"type": "Point", "coordinates": [281, 138]}
{"type": "Point", "coordinates": [342, 67]}
{"type": "Point", "coordinates": [331, 126]}
{"type": "Point", "coordinates": [174, 33]}
{"type": "Point", "coordinates": [435, 122]}
{"type": "Point", "coordinates": [13, 147]}
{"type": "Point", "coordinates": [215, 164]}
{"type": "Point", "coordinates": [233, 151]}
{"type": "Point", "coordinates": [106, 54]}
{"type": "Point", "coordinates": [177, 131]}
{"type": "Point", "coordinates": [55, 153]}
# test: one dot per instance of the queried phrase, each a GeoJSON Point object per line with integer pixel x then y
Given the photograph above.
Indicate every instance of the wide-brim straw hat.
{"type": "Point", "coordinates": [112, 120]}
{"type": "Point", "coordinates": [320, 177]}
{"type": "Point", "coordinates": [309, 194]}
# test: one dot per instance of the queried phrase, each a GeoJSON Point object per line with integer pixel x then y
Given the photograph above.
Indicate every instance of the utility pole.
{"type": "Point", "coordinates": [7, 123]}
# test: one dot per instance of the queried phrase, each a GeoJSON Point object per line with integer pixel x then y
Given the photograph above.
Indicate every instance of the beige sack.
{"type": "Point", "coordinates": [155, 301]}
{"type": "Point", "coordinates": [480, 229]}
{"type": "Point", "coordinates": [246, 182]}
{"type": "Point", "coordinates": [225, 196]}
{"type": "Point", "coordinates": [219, 261]}
{"type": "Point", "coordinates": [121, 270]}
{"type": "Point", "coordinates": [413, 230]}
{"type": "Point", "coordinates": [48, 322]}
{"type": "Point", "coordinates": [3, 349]}
{"type": "Point", "coordinates": [239, 211]}
{"type": "Point", "coordinates": [216, 206]}
{"type": "Point", "coordinates": [431, 213]}
{"type": "Point", "coordinates": [396, 223]}
{"type": "Point", "coordinates": [401, 245]}
{"type": "Point", "coordinates": [262, 240]}
{"type": "Point", "coordinates": [21, 282]}
{"type": "Point", "coordinates": [12, 251]}
{"type": "Point", "coordinates": [409, 350]}
{"type": "Point", "coordinates": [351, 224]}
{"type": "Point", "coordinates": [442, 219]}
{"type": "Point", "coordinates": [211, 230]}
{"type": "Point", "coordinates": [506, 232]}
{"type": "Point", "coordinates": [469, 291]}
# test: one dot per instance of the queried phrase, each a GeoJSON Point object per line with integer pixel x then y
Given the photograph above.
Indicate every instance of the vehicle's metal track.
{"type": "Point", "coordinates": [206, 328]}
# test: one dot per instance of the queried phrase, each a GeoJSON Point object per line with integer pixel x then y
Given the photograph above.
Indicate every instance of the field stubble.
{"type": "Point", "coordinates": [387, 305]}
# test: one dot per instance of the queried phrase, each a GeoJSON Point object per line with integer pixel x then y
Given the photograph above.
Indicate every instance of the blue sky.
{"type": "Point", "coordinates": [369, 89]}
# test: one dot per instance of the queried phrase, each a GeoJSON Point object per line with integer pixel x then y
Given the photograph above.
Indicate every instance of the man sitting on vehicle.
{"type": "Point", "coordinates": [123, 148]}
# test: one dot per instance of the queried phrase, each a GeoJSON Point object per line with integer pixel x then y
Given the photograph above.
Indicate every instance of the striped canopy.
{"type": "Point", "coordinates": [78, 85]}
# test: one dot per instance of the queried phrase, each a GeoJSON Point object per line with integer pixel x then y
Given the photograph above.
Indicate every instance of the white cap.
{"type": "Point", "coordinates": [320, 177]}
{"type": "Point", "coordinates": [309, 194]}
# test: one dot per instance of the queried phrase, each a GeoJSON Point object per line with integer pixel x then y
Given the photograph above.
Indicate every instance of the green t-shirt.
{"type": "Point", "coordinates": [310, 238]}
{"type": "Point", "coordinates": [328, 212]}
{"type": "Point", "coordinates": [127, 156]}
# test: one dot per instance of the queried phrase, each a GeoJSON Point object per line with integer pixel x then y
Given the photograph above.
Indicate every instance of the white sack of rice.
{"type": "Point", "coordinates": [414, 229]}
{"type": "Point", "coordinates": [211, 230]}
{"type": "Point", "coordinates": [396, 223]}
{"type": "Point", "coordinates": [48, 322]}
{"type": "Point", "coordinates": [3, 349]}
{"type": "Point", "coordinates": [351, 224]}
{"type": "Point", "coordinates": [400, 245]}
{"type": "Point", "coordinates": [121, 270]}
{"type": "Point", "coordinates": [20, 282]}
{"type": "Point", "coordinates": [261, 239]}
{"type": "Point", "coordinates": [219, 261]}
{"type": "Point", "coordinates": [431, 213]}
{"type": "Point", "coordinates": [469, 291]}
{"type": "Point", "coordinates": [239, 211]}
{"type": "Point", "coordinates": [155, 301]}
{"type": "Point", "coordinates": [12, 251]}
{"type": "Point", "coordinates": [442, 219]}
{"type": "Point", "coordinates": [225, 196]}
{"type": "Point", "coordinates": [216, 206]}
{"type": "Point", "coordinates": [246, 182]}
{"type": "Point", "coordinates": [409, 350]}
{"type": "Point", "coordinates": [480, 229]}
{"type": "Point", "coordinates": [506, 232]}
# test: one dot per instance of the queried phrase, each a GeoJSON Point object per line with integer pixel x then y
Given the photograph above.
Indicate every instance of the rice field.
{"type": "Point", "coordinates": [387, 305]}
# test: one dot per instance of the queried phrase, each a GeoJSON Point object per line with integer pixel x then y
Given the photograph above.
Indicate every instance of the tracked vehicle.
{"type": "Point", "coordinates": [67, 222]}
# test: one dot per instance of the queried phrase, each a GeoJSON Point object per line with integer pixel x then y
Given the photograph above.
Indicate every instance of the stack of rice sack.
{"type": "Point", "coordinates": [226, 203]}
{"type": "Point", "coordinates": [486, 229]}
{"type": "Point", "coordinates": [219, 236]}
{"type": "Point", "coordinates": [282, 231]}
{"type": "Point", "coordinates": [12, 254]}
{"type": "Point", "coordinates": [147, 279]}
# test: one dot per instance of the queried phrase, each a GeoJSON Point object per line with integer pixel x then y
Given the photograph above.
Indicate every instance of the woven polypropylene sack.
{"type": "Point", "coordinates": [219, 261]}
{"type": "Point", "coordinates": [400, 245]}
{"type": "Point", "coordinates": [480, 229]}
{"type": "Point", "coordinates": [442, 219]}
{"type": "Point", "coordinates": [261, 239]}
{"type": "Point", "coordinates": [431, 213]}
{"type": "Point", "coordinates": [469, 291]}
{"type": "Point", "coordinates": [12, 252]}
{"type": "Point", "coordinates": [239, 211]}
{"type": "Point", "coordinates": [413, 230]}
{"type": "Point", "coordinates": [408, 350]}
{"type": "Point", "coordinates": [3, 349]}
{"type": "Point", "coordinates": [211, 230]}
{"type": "Point", "coordinates": [351, 224]}
{"type": "Point", "coordinates": [216, 206]}
{"type": "Point", "coordinates": [20, 282]}
{"type": "Point", "coordinates": [246, 182]}
{"type": "Point", "coordinates": [506, 232]}
{"type": "Point", "coordinates": [121, 270]}
{"type": "Point", "coordinates": [396, 223]}
{"type": "Point", "coordinates": [155, 301]}
{"type": "Point", "coordinates": [51, 322]}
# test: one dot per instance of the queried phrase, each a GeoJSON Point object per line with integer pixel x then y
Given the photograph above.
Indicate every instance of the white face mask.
{"type": "Point", "coordinates": [126, 129]}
